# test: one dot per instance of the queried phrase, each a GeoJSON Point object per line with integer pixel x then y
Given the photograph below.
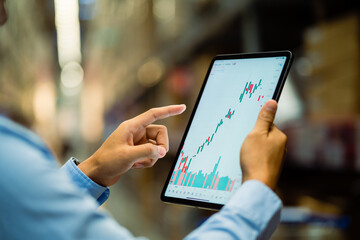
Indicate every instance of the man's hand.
{"type": "Point", "coordinates": [136, 143]}
{"type": "Point", "coordinates": [263, 149]}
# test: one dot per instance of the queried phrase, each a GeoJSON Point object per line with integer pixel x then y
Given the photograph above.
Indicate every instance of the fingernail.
{"type": "Point", "coordinates": [184, 107]}
{"type": "Point", "coordinates": [271, 106]}
{"type": "Point", "coordinates": [161, 151]}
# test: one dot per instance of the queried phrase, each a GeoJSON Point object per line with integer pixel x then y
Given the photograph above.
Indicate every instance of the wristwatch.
{"type": "Point", "coordinates": [75, 161]}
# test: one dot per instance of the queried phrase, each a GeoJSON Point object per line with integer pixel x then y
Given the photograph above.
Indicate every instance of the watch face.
{"type": "Point", "coordinates": [75, 161]}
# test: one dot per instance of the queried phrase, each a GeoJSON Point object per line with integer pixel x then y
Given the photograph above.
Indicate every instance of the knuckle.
{"type": "Point", "coordinates": [124, 152]}
{"type": "Point", "coordinates": [282, 139]}
{"type": "Point", "coordinates": [149, 163]}
{"type": "Point", "coordinates": [253, 134]}
{"type": "Point", "coordinates": [152, 162]}
{"type": "Point", "coordinates": [283, 136]}
{"type": "Point", "coordinates": [151, 151]}
{"type": "Point", "coordinates": [153, 112]}
{"type": "Point", "coordinates": [266, 116]}
{"type": "Point", "coordinates": [163, 128]}
{"type": "Point", "coordinates": [125, 123]}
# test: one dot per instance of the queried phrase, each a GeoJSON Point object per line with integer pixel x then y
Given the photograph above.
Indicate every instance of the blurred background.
{"type": "Point", "coordinates": [72, 70]}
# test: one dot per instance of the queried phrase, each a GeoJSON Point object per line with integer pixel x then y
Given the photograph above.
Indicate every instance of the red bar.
{"type": "Point", "coordinates": [232, 185]}
{"type": "Point", "coordinates": [186, 183]}
{"type": "Point", "coordinates": [213, 180]}
{"type": "Point", "coordinates": [259, 98]}
{"type": "Point", "coordinates": [205, 181]}
{"type": "Point", "coordinates": [182, 154]}
{"type": "Point", "coordinates": [262, 97]}
{"type": "Point", "coordinates": [183, 184]}
{"type": "Point", "coordinates": [180, 178]}
{"type": "Point", "coordinates": [208, 139]}
{"type": "Point", "coordinates": [193, 179]}
{"type": "Point", "coordinates": [251, 87]}
{"type": "Point", "coordinates": [229, 115]}
{"type": "Point", "coordinates": [227, 185]}
{"type": "Point", "coordinates": [173, 176]}
{"type": "Point", "coordinates": [180, 163]}
{"type": "Point", "coordinates": [216, 183]}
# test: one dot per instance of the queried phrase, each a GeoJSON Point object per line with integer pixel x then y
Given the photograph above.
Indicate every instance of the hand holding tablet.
{"type": "Point", "coordinates": [207, 172]}
{"type": "Point", "coordinates": [263, 164]}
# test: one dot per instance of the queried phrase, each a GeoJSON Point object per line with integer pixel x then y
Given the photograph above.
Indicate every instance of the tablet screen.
{"type": "Point", "coordinates": [207, 168]}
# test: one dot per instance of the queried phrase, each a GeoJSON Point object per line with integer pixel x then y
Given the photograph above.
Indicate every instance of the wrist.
{"type": "Point", "coordinates": [268, 181]}
{"type": "Point", "coordinates": [90, 168]}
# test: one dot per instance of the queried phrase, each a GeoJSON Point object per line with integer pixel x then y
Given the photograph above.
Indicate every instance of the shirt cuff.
{"type": "Point", "coordinates": [100, 193]}
{"type": "Point", "coordinates": [257, 200]}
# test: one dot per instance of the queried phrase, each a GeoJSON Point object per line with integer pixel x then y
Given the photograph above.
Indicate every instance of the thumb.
{"type": "Point", "coordinates": [147, 150]}
{"type": "Point", "coordinates": [266, 116]}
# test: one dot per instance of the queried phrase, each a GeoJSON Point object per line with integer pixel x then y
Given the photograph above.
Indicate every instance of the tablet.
{"type": "Point", "coordinates": [206, 171]}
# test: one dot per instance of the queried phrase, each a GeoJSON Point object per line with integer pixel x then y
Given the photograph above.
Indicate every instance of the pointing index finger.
{"type": "Point", "coordinates": [154, 114]}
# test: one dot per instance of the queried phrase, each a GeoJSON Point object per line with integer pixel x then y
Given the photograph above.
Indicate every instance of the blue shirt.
{"type": "Point", "coordinates": [39, 201]}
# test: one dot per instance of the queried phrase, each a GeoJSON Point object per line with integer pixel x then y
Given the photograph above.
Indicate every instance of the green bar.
{"type": "Point", "coordinates": [219, 124]}
{"type": "Point", "coordinates": [245, 87]}
{"type": "Point", "coordinates": [188, 164]}
{"type": "Point", "coordinates": [243, 93]}
{"type": "Point", "coordinates": [211, 137]}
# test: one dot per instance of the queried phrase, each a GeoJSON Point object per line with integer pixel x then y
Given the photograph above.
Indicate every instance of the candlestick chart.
{"type": "Point", "coordinates": [181, 176]}
{"type": "Point", "coordinates": [250, 89]}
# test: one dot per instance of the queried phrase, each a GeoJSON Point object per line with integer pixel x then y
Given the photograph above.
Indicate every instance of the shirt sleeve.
{"type": "Point", "coordinates": [40, 202]}
{"type": "Point", "coordinates": [84, 183]}
{"type": "Point", "coordinates": [252, 213]}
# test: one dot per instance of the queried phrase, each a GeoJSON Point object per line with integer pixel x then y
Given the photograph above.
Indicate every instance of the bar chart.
{"type": "Point", "coordinates": [212, 180]}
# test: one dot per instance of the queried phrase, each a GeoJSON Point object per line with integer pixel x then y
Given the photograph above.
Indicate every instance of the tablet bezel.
{"type": "Point", "coordinates": [276, 96]}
